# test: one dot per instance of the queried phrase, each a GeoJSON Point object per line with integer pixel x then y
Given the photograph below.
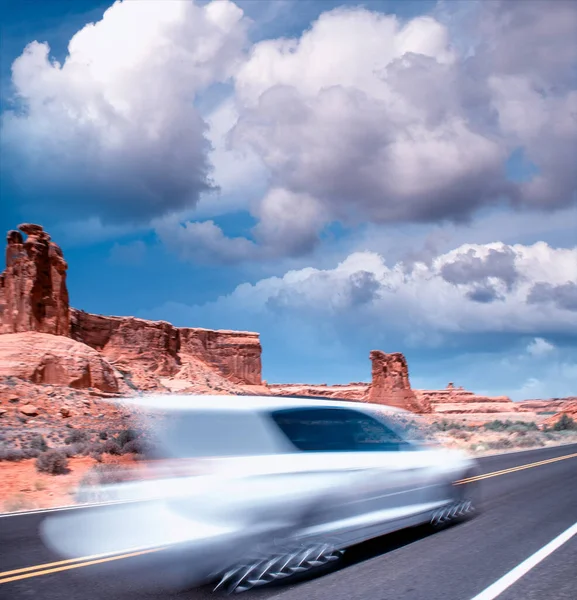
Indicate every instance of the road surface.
{"type": "Point", "coordinates": [521, 547]}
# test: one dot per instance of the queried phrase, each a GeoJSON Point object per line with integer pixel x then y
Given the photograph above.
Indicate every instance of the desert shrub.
{"type": "Point", "coordinates": [132, 447]}
{"type": "Point", "coordinates": [68, 451]}
{"type": "Point", "coordinates": [11, 454]}
{"type": "Point", "coordinates": [565, 423]}
{"type": "Point", "coordinates": [446, 425]}
{"type": "Point", "coordinates": [496, 425]}
{"type": "Point", "coordinates": [125, 436]}
{"type": "Point", "coordinates": [103, 435]}
{"type": "Point", "coordinates": [459, 434]}
{"type": "Point", "coordinates": [83, 448]}
{"type": "Point", "coordinates": [500, 444]}
{"type": "Point", "coordinates": [530, 440]}
{"type": "Point", "coordinates": [111, 447]}
{"type": "Point", "coordinates": [97, 456]}
{"type": "Point", "coordinates": [38, 442]}
{"type": "Point", "coordinates": [53, 462]}
{"type": "Point", "coordinates": [30, 452]}
{"type": "Point", "coordinates": [522, 428]}
{"type": "Point", "coordinates": [531, 425]}
{"type": "Point", "coordinates": [79, 449]}
{"type": "Point", "coordinates": [76, 437]}
{"type": "Point", "coordinates": [513, 426]}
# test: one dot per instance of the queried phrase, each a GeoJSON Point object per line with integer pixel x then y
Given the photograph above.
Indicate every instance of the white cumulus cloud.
{"type": "Point", "coordinates": [540, 347]}
{"type": "Point", "coordinates": [417, 299]}
{"type": "Point", "coordinates": [372, 119]}
{"type": "Point", "coordinates": [113, 131]}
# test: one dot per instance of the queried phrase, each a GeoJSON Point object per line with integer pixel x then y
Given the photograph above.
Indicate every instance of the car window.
{"type": "Point", "coordinates": [215, 434]}
{"type": "Point", "coordinates": [336, 430]}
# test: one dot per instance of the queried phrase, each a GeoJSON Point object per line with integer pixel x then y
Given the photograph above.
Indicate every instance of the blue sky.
{"type": "Point", "coordinates": [338, 176]}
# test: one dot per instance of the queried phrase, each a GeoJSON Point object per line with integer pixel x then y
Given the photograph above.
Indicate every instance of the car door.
{"type": "Point", "coordinates": [374, 472]}
{"type": "Point", "coordinates": [391, 475]}
{"type": "Point", "coordinates": [400, 473]}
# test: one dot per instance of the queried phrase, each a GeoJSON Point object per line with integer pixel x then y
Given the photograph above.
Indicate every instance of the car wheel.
{"type": "Point", "coordinates": [465, 504]}
{"type": "Point", "coordinates": [281, 563]}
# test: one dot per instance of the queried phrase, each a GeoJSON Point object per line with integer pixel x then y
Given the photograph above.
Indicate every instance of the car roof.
{"type": "Point", "coordinates": [217, 403]}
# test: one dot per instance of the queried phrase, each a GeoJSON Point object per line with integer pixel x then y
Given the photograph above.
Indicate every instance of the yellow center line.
{"type": "Point", "coordinates": [36, 573]}
{"type": "Point", "coordinates": [514, 469]}
{"type": "Point", "coordinates": [73, 560]}
{"type": "Point", "coordinates": [85, 561]}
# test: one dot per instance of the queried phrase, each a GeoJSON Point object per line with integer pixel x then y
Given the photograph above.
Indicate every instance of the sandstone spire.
{"type": "Point", "coordinates": [390, 382]}
{"type": "Point", "coordinates": [33, 293]}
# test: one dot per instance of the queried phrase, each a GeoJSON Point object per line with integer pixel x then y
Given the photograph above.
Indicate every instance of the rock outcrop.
{"type": "Point", "coordinates": [49, 359]}
{"type": "Point", "coordinates": [234, 354]}
{"type": "Point", "coordinates": [34, 298]}
{"type": "Point", "coordinates": [148, 350]}
{"type": "Point", "coordinates": [551, 405]}
{"type": "Point", "coordinates": [33, 293]}
{"type": "Point", "coordinates": [390, 383]}
{"type": "Point", "coordinates": [348, 391]}
{"type": "Point", "coordinates": [569, 409]}
{"type": "Point", "coordinates": [456, 400]}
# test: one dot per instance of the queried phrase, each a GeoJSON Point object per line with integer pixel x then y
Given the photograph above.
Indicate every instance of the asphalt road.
{"type": "Point", "coordinates": [523, 511]}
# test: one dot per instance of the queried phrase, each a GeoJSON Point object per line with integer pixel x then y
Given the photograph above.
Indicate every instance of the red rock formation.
{"type": "Point", "coordinates": [390, 382]}
{"type": "Point", "coordinates": [552, 405]}
{"type": "Point", "coordinates": [143, 349]}
{"type": "Point", "coordinates": [234, 354]}
{"type": "Point", "coordinates": [456, 400]}
{"type": "Point", "coordinates": [34, 297]}
{"type": "Point", "coordinates": [33, 294]}
{"type": "Point", "coordinates": [148, 350]}
{"type": "Point", "coordinates": [48, 359]}
{"type": "Point", "coordinates": [352, 391]}
{"type": "Point", "coordinates": [569, 409]}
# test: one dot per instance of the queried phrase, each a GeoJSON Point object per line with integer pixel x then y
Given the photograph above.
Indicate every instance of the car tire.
{"type": "Point", "coordinates": [465, 502]}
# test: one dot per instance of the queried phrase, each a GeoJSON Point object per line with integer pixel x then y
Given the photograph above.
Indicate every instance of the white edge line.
{"type": "Point", "coordinates": [67, 507]}
{"type": "Point", "coordinates": [515, 574]}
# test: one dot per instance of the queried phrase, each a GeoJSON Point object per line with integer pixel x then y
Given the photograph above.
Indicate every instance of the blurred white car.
{"type": "Point", "coordinates": [246, 490]}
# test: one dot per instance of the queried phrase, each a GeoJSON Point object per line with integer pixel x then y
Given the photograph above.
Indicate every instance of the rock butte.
{"type": "Point", "coordinates": [34, 299]}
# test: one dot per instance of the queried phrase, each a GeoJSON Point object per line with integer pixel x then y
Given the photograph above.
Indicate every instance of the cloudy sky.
{"type": "Point", "coordinates": [339, 176]}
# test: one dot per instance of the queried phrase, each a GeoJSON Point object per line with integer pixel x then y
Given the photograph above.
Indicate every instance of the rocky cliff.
{"type": "Point", "coordinates": [60, 345]}
{"type": "Point", "coordinates": [149, 350]}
